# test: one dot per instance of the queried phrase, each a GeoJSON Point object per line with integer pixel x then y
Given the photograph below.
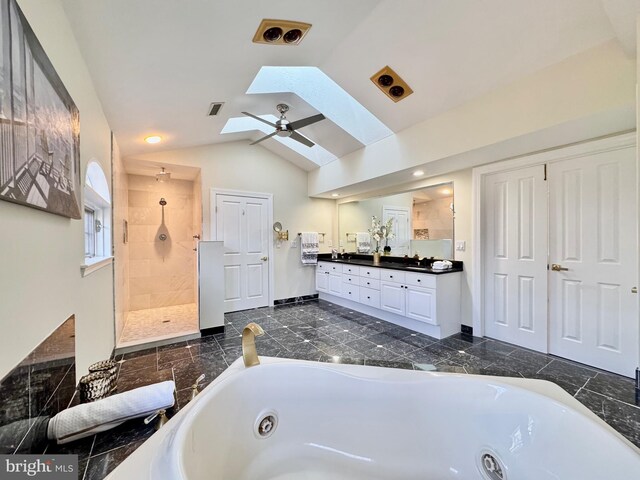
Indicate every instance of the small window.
{"type": "Point", "coordinates": [89, 232]}
{"type": "Point", "coordinates": [97, 220]}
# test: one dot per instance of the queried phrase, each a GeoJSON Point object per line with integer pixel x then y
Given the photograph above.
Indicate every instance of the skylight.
{"type": "Point", "coordinates": [313, 86]}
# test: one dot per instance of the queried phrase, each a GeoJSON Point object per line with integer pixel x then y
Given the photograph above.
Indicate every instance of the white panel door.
{"type": "Point", "coordinates": [593, 222]}
{"type": "Point", "coordinates": [515, 255]}
{"type": "Point", "coordinates": [242, 223]}
{"type": "Point", "coordinates": [401, 229]}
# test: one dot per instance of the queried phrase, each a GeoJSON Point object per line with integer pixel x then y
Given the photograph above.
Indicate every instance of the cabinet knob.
{"type": "Point", "coordinates": [369, 297]}
{"type": "Point", "coordinates": [419, 280]}
{"type": "Point", "coordinates": [390, 276]}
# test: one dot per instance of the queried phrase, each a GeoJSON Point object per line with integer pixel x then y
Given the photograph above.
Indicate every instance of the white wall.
{"type": "Point", "coordinates": [41, 253]}
{"type": "Point", "coordinates": [239, 166]}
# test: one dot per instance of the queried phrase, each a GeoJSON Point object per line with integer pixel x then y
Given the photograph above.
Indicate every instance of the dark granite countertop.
{"type": "Point", "coordinates": [391, 262]}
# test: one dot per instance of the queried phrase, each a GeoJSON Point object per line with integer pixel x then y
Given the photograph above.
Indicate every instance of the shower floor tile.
{"type": "Point", "coordinates": [155, 324]}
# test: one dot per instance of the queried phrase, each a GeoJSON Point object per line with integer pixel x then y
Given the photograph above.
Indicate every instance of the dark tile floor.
{"type": "Point", "coordinates": [320, 331]}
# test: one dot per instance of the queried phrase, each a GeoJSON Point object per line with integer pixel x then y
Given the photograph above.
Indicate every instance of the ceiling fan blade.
{"type": "Point", "coordinates": [305, 141]}
{"type": "Point", "coordinates": [259, 119]}
{"type": "Point", "coordinates": [263, 138]}
{"type": "Point", "coordinates": [306, 121]}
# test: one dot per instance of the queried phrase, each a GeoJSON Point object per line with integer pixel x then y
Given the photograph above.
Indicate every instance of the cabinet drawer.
{"type": "Point", "coordinates": [392, 276]}
{"type": "Point", "coordinates": [369, 272]}
{"type": "Point", "coordinates": [352, 292]}
{"type": "Point", "coordinates": [420, 279]}
{"type": "Point", "coordinates": [370, 283]}
{"type": "Point", "coordinates": [350, 269]}
{"type": "Point", "coordinates": [350, 279]}
{"type": "Point", "coordinates": [370, 297]}
{"type": "Point", "coordinates": [334, 267]}
{"type": "Point", "coordinates": [323, 267]}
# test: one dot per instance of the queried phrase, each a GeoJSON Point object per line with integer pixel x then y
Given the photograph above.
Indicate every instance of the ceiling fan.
{"type": "Point", "coordinates": [285, 128]}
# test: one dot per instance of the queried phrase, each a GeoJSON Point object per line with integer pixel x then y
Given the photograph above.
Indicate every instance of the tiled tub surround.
{"type": "Point", "coordinates": [320, 331]}
{"type": "Point", "coordinates": [40, 387]}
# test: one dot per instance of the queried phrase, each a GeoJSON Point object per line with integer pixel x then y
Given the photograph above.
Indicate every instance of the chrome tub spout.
{"type": "Point", "coordinates": [249, 352]}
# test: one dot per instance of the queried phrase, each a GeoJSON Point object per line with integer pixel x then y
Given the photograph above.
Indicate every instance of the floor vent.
{"type": "Point", "coordinates": [214, 109]}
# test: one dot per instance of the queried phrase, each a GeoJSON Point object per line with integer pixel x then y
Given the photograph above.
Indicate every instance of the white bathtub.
{"type": "Point", "coordinates": [339, 422]}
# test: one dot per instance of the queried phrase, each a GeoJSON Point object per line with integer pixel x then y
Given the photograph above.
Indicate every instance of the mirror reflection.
{"type": "Point", "coordinates": [423, 223]}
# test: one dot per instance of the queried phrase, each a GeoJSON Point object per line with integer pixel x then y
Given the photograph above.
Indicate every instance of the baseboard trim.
{"type": "Point", "coordinates": [289, 301]}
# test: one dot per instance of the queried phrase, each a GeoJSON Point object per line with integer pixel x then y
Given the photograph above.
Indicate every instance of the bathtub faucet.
{"type": "Point", "coordinates": [249, 353]}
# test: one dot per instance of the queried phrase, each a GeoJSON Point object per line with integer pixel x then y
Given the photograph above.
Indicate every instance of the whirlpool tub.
{"type": "Point", "coordinates": [297, 420]}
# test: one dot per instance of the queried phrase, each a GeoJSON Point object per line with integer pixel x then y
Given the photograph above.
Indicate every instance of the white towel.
{"type": "Point", "coordinates": [309, 248]}
{"type": "Point", "coordinates": [441, 265]}
{"type": "Point", "coordinates": [89, 418]}
{"type": "Point", "coordinates": [363, 242]}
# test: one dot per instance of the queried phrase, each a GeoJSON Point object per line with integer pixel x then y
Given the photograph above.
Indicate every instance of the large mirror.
{"type": "Point", "coordinates": [423, 222]}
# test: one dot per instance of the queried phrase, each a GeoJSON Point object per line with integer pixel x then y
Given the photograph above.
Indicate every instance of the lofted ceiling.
{"type": "Point", "coordinates": [157, 65]}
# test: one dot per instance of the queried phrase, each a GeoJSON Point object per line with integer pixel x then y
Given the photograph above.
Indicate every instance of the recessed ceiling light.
{"type": "Point", "coordinates": [153, 139]}
{"type": "Point", "coordinates": [418, 173]}
{"type": "Point", "coordinates": [335, 194]}
{"type": "Point", "coordinates": [446, 191]}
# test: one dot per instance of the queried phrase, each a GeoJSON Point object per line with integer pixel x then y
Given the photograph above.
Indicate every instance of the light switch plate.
{"type": "Point", "coordinates": [329, 243]}
{"type": "Point", "coordinates": [461, 246]}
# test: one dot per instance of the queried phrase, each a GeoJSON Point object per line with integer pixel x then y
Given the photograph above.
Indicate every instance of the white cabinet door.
{"type": "Point", "coordinates": [335, 284]}
{"type": "Point", "coordinates": [352, 292]}
{"type": "Point", "coordinates": [392, 297]}
{"type": "Point", "coordinates": [421, 304]}
{"type": "Point", "coordinates": [370, 297]}
{"type": "Point", "coordinates": [322, 282]}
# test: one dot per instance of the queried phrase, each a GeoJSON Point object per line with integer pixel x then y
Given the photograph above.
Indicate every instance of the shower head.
{"type": "Point", "coordinates": [163, 202]}
{"type": "Point", "coordinates": [163, 176]}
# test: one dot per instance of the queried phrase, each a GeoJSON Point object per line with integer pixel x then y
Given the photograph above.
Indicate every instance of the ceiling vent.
{"type": "Point", "coordinates": [281, 32]}
{"type": "Point", "coordinates": [214, 109]}
{"type": "Point", "coordinates": [391, 84]}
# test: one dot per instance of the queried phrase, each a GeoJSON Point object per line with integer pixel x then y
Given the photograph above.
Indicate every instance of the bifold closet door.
{"type": "Point", "coordinates": [243, 224]}
{"type": "Point", "coordinates": [515, 257]}
{"type": "Point", "coordinates": [593, 314]}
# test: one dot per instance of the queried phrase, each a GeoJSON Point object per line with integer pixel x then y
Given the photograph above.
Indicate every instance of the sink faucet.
{"type": "Point", "coordinates": [249, 353]}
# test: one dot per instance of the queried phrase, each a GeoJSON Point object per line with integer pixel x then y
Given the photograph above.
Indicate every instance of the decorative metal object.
{"type": "Point", "coordinates": [100, 382]}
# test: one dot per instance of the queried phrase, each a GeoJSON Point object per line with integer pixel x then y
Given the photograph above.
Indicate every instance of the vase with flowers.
{"type": "Point", "coordinates": [379, 232]}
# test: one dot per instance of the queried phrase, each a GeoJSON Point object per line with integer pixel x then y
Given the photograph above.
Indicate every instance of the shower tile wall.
{"type": "Point", "coordinates": [436, 216]}
{"type": "Point", "coordinates": [161, 272]}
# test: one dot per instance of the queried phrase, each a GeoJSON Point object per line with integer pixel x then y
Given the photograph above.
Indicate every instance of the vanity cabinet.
{"type": "Point", "coordinates": [329, 278]}
{"type": "Point", "coordinates": [425, 302]}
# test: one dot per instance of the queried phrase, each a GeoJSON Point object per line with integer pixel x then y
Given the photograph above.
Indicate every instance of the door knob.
{"type": "Point", "coordinates": [264, 259]}
{"type": "Point", "coordinates": [634, 290]}
{"type": "Point", "coordinates": [558, 268]}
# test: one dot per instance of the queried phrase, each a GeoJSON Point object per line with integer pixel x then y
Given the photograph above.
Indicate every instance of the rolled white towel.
{"type": "Point", "coordinates": [441, 265]}
{"type": "Point", "coordinates": [89, 418]}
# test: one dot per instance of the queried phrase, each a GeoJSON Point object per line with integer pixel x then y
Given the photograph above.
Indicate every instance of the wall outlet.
{"type": "Point", "coordinates": [294, 243]}
{"type": "Point", "coordinates": [461, 246]}
{"type": "Point", "coordinates": [329, 243]}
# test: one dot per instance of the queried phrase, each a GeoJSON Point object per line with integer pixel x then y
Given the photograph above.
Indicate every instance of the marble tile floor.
{"type": "Point", "coordinates": [153, 324]}
{"type": "Point", "coordinates": [320, 331]}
